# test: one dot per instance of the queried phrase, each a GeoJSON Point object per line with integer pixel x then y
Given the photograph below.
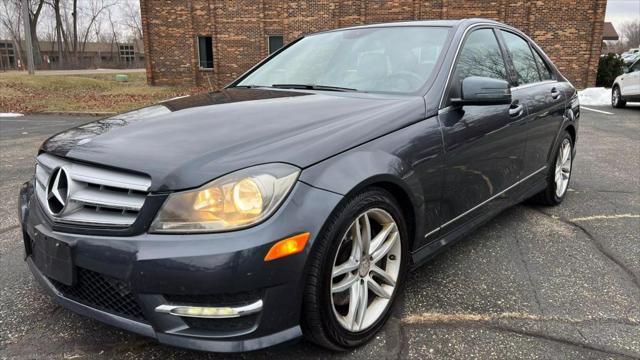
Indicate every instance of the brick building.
{"type": "Point", "coordinates": [211, 42]}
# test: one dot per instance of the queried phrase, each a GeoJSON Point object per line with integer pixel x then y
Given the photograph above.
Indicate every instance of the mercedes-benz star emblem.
{"type": "Point", "coordinates": [57, 191]}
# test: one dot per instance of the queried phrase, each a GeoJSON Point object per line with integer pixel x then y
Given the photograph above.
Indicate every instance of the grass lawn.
{"type": "Point", "coordinates": [93, 93]}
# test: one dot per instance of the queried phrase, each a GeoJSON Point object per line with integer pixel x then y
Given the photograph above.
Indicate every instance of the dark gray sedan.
{"type": "Point", "coordinates": [294, 201]}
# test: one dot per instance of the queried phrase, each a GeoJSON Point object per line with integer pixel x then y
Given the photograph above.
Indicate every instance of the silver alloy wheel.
{"type": "Point", "coordinates": [563, 167]}
{"type": "Point", "coordinates": [615, 97]}
{"type": "Point", "coordinates": [365, 270]}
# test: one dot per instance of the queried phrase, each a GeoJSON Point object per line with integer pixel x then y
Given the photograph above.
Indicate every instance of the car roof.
{"type": "Point", "coordinates": [447, 23]}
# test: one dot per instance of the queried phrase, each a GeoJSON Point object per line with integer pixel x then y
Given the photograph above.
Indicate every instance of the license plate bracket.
{"type": "Point", "coordinates": [54, 259]}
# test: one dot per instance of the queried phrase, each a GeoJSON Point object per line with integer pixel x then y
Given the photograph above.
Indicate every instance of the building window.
{"type": "Point", "coordinates": [127, 54]}
{"type": "Point", "coordinates": [275, 43]}
{"type": "Point", "coordinates": [205, 52]}
{"type": "Point", "coordinates": [7, 56]}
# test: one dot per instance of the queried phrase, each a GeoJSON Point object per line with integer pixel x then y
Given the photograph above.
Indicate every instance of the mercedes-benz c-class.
{"type": "Point", "coordinates": [295, 200]}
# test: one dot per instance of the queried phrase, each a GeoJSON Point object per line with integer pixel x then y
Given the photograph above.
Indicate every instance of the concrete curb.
{"type": "Point", "coordinates": [75, 113]}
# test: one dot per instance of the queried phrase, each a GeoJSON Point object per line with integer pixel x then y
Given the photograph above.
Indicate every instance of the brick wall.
{"type": "Point", "coordinates": [570, 31]}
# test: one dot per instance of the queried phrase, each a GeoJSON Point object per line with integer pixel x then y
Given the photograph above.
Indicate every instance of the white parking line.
{"type": "Point", "coordinates": [596, 110]}
{"type": "Point", "coordinates": [604, 217]}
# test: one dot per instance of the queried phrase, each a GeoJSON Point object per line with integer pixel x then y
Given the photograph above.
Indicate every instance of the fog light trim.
{"type": "Point", "coordinates": [222, 312]}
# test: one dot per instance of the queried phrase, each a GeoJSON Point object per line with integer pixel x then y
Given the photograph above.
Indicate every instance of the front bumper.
{"type": "Point", "coordinates": [122, 280]}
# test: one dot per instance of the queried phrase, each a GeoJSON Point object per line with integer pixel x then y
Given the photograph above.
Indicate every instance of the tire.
{"type": "Point", "coordinates": [616, 98]}
{"type": "Point", "coordinates": [556, 191]}
{"type": "Point", "coordinates": [322, 321]}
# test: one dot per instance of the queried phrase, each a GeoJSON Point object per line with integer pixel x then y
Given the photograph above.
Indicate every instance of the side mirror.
{"type": "Point", "coordinates": [626, 69]}
{"type": "Point", "coordinates": [477, 90]}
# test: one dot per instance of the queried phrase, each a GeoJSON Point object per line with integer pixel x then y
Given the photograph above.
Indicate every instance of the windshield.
{"type": "Point", "coordinates": [391, 59]}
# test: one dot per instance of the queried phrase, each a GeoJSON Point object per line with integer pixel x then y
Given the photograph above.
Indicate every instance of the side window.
{"type": "Point", "coordinates": [522, 57]}
{"type": "Point", "coordinates": [545, 73]}
{"type": "Point", "coordinates": [635, 67]}
{"type": "Point", "coordinates": [480, 56]}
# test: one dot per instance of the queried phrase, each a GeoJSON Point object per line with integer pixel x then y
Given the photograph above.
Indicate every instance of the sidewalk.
{"type": "Point", "coordinates": [75, 72]}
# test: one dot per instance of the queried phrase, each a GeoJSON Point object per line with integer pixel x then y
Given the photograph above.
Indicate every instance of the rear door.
{"type": "Point", "coordinates": [534, 86]}
{"type": "Point", "coordinates": [484, 144]}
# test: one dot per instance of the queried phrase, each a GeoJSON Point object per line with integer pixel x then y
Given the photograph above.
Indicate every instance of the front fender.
{"type": "Point", "coordinates": [408, 162]}
{"type": "Point", "coordinates": [353, 171]}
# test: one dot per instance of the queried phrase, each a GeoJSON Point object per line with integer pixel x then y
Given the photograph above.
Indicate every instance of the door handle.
{"type": "Point", "coordinates": [555, 94]}
{"type": "Point", "coordinates": [516, 110]}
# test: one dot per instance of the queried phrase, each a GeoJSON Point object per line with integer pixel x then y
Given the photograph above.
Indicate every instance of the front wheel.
{"type": "Point", "coordinates": [356, 269]}
{"type": "Point", "coordinates": [558, 175]}
{"type": "Point", "coordinates": [616, 98]}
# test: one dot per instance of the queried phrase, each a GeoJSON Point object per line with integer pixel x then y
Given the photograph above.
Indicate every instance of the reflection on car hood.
{"type": "Point", "coordinates": [186, 142]}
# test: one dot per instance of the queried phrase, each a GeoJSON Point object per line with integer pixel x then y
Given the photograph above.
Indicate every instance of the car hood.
{"type": "Point", "coordinates": [186, 142]}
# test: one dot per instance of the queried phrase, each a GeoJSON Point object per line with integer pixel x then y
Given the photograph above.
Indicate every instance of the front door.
{"type": "Point", "coordinates": [483, 145]}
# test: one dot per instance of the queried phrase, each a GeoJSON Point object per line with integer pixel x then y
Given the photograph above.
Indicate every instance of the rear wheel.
{"type": "Point", "coordinates": [558, 175]}
{"type": "Point", "coordinates": [356, 270]}
{"type": "Point", "coordinates": [616, 98]}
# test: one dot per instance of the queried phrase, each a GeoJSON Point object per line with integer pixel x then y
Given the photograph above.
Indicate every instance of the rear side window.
{"type": "Point", "coordinates": [545, 73]}
{"type": "Point", "coordinates": [480, 56]}
{"type": "Point", "coordinates": [522, 57]}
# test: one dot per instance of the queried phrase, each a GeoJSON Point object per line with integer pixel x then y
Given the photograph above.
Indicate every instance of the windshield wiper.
{"type": "Point", "coordinates": [250, 86]}
{"type": "Point", "coordinates": [312, 87]}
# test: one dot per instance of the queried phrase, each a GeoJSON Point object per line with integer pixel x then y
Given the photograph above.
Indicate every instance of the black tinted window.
{"type": "Point", "coordinates": [522, 57]}
{"type": "Point", "coordinates": [275, 43]}
{"type": "Point", "coordinates": [481, 56]}
{"type": "Point", "coordinates": [545, 73]}
{"type": "Point", "coordinates": [205, 52]}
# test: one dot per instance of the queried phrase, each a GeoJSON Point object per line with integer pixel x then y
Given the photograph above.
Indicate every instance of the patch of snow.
{"type": "Point", "coordinates": [10, 115]}
{"type": "Point", "coordinates": [595, 96]}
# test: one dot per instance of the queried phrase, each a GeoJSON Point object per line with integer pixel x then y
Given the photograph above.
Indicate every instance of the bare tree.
{"type": "Point", "coordinates": [630, 32]}
{"type": "Point", "coordinates": [74, 16]}
{"type": "Point", "coordinates": [131, 15]}
{"type": "Point", "coordinates": [114, 32]}
{"type": "Point", "coordinates": [11, 24]}
{"type": "Point", "coordinates": [69, 25]}
{"type": "Point", "coordinates": [35, 10]}
{"type": "Point", "coordinates": [94, 13]}
{"type": "Point", "coordinates": [61, 37]}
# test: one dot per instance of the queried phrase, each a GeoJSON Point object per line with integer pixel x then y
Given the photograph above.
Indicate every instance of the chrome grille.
{"type": "Point", "coordinates": [95, 196]}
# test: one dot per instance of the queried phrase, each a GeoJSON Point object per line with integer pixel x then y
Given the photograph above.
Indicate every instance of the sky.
{"type": "Point", "coordinates": [619, 11]}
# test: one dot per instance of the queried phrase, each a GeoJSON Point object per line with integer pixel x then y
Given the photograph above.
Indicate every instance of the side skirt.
{"type": "Point", "coordinates": [479, 217]}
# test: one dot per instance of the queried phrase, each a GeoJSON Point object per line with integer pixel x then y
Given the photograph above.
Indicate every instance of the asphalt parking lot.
{"type": "Point", "coordinates": [534, 282]}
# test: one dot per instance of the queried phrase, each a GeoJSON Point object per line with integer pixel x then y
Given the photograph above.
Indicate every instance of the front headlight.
{"type": "Point", "coordinates": [234, 201]}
